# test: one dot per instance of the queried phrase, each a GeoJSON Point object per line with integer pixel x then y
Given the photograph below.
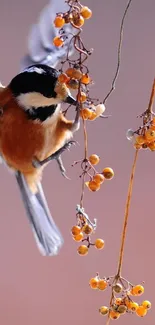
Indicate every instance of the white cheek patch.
{"type": "Point", "coordinates": [36, 100]}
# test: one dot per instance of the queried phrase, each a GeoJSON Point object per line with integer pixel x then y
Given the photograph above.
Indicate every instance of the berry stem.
{"type": "Point", "coordinates": [119, 53]}
{"type": "Point", "coordinates": [126, 215]}
{"type": "Point", "coordinates": [149, 110]}
{"type": "Point", "coordinates": [85, 159]}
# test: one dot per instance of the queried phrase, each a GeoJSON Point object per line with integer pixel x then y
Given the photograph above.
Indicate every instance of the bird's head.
{"type": "Point", "coordinates": [37, 87]}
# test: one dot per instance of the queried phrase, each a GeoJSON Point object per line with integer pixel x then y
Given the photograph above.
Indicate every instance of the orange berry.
{"type": "Point", "coordinates": [85, 79]}
{"type": "Point", "coordinates": [87, 229]}
{"type": "Point", "coordinates": [86, 12]}
{"type": "Point", "coordinates": [118, 301]}
{"type": "Point", "coordinates": [93, 186]}
{"type": "Point", "coordinates": [77, 74]}
{"type": "Point", "coordinates": [133, 306]}
{"type": "Point", "coordinates": [150, 135]}
{"type": "Point", "coordinates": [141, 311]}
{"type": "Point", "coordinates": [78, 21]}
{"type": "Point", "coordinates": [99, 243]}
{"type": "Point", "coordinates": [140, 139]}
{"type": "Point", "coordinates": [59, 21]}
{"type": "Point", "coordinates": [151, 146]}
{"type": "Point", "coordinates": [104, 310]}
{"type": "Point", "coordinates": [114, 314]}
{"type": "Point", "coordinates": [94, 159]}
{"type": "Point", "coordinates": [57, 41]}
{"type": "Point", "coordinates": [138, 290]}
{"type": "Point", "coordinates": [137, 145]}
{"type": "Point", "coordinates": [85, 113]}
{"type": "Point", "coordinates": [78, 237]}
{"type": "Point", "coordinates": [81, 97]}
{"type": "Point", "coordinates": [83, 250]}
{"type": "Point", "coordinates": [102, 284]}
{"type": "Point", "coordinates": [108, 173]}
{"type": "Point", "coordinates": [146, 304]}
{"type": "Point", "coordinates": [93, 283]}
{"type": "Point", "coordinates": [75, 230]}
{"type": "Point", "coordinates": [127, 302]}
{"type": "Point", "coordinates": [118, 288]}
{"type": "Point", "coordinates": [63, 78]}
{"type": "Point", "coordinates": [98, 178]}
{"type": "Point", "coordinates": [93, 116]}
{"type": "Point", "coordinates": [73, 84]}
{"type": "Point", "coordinates": [69, 72]}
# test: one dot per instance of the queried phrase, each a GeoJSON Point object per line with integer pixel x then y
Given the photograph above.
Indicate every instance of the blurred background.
{"type": "Point", "coordinates": [39, 290]}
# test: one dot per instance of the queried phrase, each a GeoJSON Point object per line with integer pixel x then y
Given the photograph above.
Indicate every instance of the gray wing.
{"type": "Point", "coordinates": [40, 45]}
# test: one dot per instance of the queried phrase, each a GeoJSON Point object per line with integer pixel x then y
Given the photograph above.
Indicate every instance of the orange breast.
{"type": "Point", "coordinates": [20, 139]}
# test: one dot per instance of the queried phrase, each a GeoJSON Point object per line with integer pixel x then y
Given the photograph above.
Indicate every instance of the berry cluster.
{"type": "Point", "coordinates": [82, 232]}
{"type": "Point", "coordinates": [122, 292]}
{"type": "Point", "coordinates": [144, 137]}
{"type": "Point", "coordinates": [75, 16]}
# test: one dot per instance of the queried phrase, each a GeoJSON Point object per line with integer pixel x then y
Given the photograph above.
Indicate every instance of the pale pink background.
{"type": "Point", "coordinates": [38, 290]}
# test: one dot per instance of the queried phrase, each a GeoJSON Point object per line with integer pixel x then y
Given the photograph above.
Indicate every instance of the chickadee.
{"type": "Point", "coordinates": [33, 131]}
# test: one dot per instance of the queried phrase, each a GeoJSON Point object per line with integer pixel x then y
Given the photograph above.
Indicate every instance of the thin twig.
{"type": "Point", "coordinates": [85, 159]}
{"type": "Point", "coordinates": [149, 110]}
{"type": "Point", "coordinates": [119, 54]}
{"type": "Point", "coordinates": [126, 215]}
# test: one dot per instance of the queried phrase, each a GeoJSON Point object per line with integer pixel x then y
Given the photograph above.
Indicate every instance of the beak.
{"type": "Point", "coordinates": [70, 100]}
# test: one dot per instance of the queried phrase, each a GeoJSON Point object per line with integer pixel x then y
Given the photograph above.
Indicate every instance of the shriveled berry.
{"type": "Point", "coordinates": [83, 250]}
{"type": "Point", "coordinates": [86, 12]}
{"type": "Point", "coordinates": [102, 284]}
{"type": "Point", "coordinates": [87, 229]}
{"type": "Point", "coordinates": [93, 283]}
{"type": "Point", "coordinates": [118, 288]}
{"type": "Point", "coordinates": [122, 309]}
{"type": "Point", "coordinates": [130, 134]}
{"type": "Point", "coordinates": [94, 159]}
{"type": "Point", "coordinates": [75, 230]}
{"type": "Point", "coordinates": [73, 84]}
{"type": "Point", "coordinates": [99, 243]}
{"type": "Point", "coordinates": [104, 310]}
{"type": "Point", "coordinates": [78, 21]}
{"type": "Point", "coordinates": [141, 311]}
{"type": "Point", "coordinates": [108, 173]}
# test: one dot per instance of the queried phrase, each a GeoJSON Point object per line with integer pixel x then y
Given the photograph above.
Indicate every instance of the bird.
{"type": "Point", "coordinates": [34, 131]}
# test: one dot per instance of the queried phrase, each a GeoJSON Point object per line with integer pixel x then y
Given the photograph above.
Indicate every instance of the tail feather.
{"type": "Point", "coordinates": [48, 237]}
